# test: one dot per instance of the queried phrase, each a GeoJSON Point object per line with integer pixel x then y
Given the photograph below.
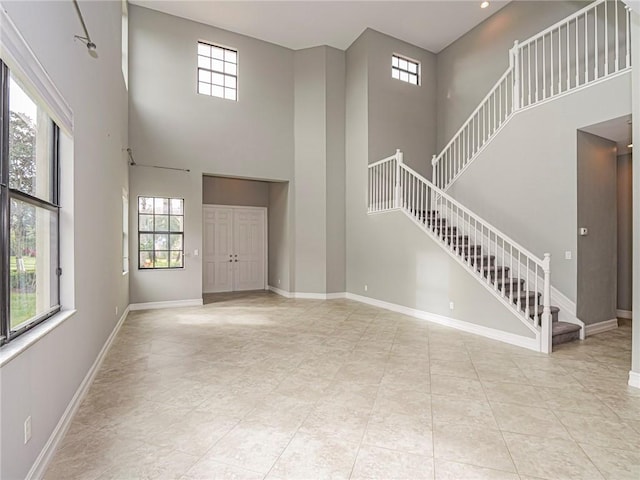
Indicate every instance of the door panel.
{"type": "Point", "coordinates": [249, 246]}
{"type": "Point", "coordinates": [217, 250]}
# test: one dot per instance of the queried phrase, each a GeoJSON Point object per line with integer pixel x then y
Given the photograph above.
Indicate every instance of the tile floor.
{"type": "Point", "coordinates": [257, 386]}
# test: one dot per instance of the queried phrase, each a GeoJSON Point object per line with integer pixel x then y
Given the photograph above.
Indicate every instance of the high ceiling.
{"type": "Point", "coordinates": [431, 25]}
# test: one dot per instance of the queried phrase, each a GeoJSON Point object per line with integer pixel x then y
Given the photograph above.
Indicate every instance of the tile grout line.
{"type": "Point", "coordinates": [492, 410]}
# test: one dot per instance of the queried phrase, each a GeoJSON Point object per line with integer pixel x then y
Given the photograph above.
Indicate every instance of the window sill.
{"type": "Point", "coordinates": [14, 348]}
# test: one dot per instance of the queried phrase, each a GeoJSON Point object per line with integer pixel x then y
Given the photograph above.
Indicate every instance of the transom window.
{"type": "Point", "coordinates": [405, 70]}
{"type": "Point", "coordinates": [217, 71]}
{"type": "Point", "coordinates": [160, 232]}
{"type": "Point", "coordinates": [29, 210]}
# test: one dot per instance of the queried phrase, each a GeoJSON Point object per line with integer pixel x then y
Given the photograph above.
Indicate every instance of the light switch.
{"type": "Point", "coordinates": [196, 252]}
{"type": "Point", "coordinates": [567, 255]}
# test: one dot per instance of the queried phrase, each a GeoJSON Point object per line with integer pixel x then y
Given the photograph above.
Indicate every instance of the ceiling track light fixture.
{"type": "Point", "coordinates": [91, 47]}
{"type": "Point", "coordinates": [132, 163]}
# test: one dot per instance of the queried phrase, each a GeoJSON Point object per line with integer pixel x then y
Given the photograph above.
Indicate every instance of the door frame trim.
{"type": "Point", "coordinates": [206, 206]}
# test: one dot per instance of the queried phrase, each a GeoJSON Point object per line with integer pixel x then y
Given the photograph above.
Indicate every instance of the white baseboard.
{"type": "Point", "coordinates": [308, 296]}
{"type": "Point", "coordinates": [282, 293]}
{"type": "Point", "coordinates": [624, 314]}
{"type": "Point", "coordinates": [600, 327]}
{"type": "Point", "coordinates": [193, 302]}
{"type": "Point", "coordinates": [510, 338]}
{"type": "Point", "coordinates": [634, 379]}
{"type": "Point", "coordinates": [46, 454]}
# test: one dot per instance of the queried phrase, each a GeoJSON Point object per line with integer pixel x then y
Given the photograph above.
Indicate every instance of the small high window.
{"type": "Point", "coordinates": [406, 70]}
{"type": "Point", "coordinates": [217, 71]}
{"type": "Point", "coordinates": [160, 232]}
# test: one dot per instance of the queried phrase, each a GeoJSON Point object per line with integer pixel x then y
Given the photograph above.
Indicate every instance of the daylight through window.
{"type": "Point", "coordinates": [160, 232]}
{"type": "Point", "coordinates": [217, 71]}
{"type": "Point", "coordinates": [29, 210]}
{"type": "Point", "coordinates": [405, 70]}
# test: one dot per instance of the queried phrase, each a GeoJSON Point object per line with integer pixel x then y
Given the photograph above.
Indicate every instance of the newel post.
{"type": "Point", "coordinates": [546, 339]}
{"type": "Point", "coordinates": [514, 63]}
{"type": "Point", "coordinates": [398, 186]}
{"type": "Point", "coordinates": [434, 168]}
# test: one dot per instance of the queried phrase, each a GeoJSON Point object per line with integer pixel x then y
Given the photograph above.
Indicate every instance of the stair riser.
{"type": "Point", "coordinates": [565, 338]}
{"type": "Point", "coordinates": [496, 272]}
{"type": "Point", "coordinates": [529, 299]}
{"type": "Point", "coordinates": [554, 316]}
{"type": "Point", "coordinates": [479, 263]}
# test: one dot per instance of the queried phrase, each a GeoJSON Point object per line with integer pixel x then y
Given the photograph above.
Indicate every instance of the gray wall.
{"type": "Point", "coordinates": [175, 284]}
{"type": "Point", "coordinates": [310, 170]}
{"type": "Point", "coordinates": [172, 125]}
{"type": "Point", "coordinates": [279, 236]}
{"type": "Point", "coordinates": [234, 191]}
{"type": "Point", "coordinates": [469, 67]}
{"type": "Point", "coordinates": [401, 115]}
{"type": "Point", "coordinates": [286, 127]}
{"type": "Point", "coordinates": [524, 182]}
{"type": "Point", "coordinates": [597, 258]}
{"type": "Point", "coordinates": [319, 170]}
{"type": "Point", "coordinates": [395, 260]}
{"type": "Point", "coordinates": [335, 108]}
{"type": "Point", "coordinates": [625, 231]}
{"type": "Point", "coordinates": [42, 380]}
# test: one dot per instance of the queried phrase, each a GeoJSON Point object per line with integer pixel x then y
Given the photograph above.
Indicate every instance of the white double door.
{"type": "Point", "coordinates": [234, 248]}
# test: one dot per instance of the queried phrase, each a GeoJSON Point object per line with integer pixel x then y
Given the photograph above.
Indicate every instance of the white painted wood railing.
{"type": "Point", "coordinates": [393, 185]}
{"type": "Point", "coordinates": [383, 192]}
{"type": "Point", "coordinates": [588, 46]}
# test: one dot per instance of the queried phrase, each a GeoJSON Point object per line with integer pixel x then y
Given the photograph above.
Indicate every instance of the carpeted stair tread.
{"type": "Point", "coordinates": [563, 332]}
{"type": "Point", "coordinates": [495, 270]}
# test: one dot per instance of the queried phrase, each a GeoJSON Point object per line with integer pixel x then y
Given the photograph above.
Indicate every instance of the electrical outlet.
{"type": "Point", "coordinates": [366, 287]}
{"type": "Point", "coordinates": [27, 429]}
{"type": "Point", "coordinates": [451, 305]}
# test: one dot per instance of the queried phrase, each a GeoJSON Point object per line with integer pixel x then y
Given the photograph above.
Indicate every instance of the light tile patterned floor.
{"type": "Point", "coordinates": [256, 386]}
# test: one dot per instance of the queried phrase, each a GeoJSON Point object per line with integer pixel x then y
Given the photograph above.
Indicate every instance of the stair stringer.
{"type": "Point", "coordinates": [487, 285]}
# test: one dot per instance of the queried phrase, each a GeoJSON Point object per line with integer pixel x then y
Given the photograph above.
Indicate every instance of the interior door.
{"type": "Point", "coordinates": [233, 256]}
{"type": "Point", "coordinates": [249, 241]}
{"type": "Point", "coordinates": [217, 259]}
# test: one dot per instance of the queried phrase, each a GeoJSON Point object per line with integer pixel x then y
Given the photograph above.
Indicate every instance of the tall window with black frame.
{"type": "Point", "coordinates": [29, 210]}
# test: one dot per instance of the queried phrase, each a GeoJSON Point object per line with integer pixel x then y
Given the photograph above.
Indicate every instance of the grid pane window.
{"type": "Point", "coordinates": [217, 71]}
{"type": "Point", "coordinates": [29, 210]}
{"type": "Point", "coordinates": [405, 70]}
{"type": "Point", "coordinates": [160, 233]}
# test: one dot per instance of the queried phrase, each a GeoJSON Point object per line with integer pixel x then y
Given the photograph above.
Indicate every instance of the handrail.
{"type": "Point", "coordinates": [562, 22]}
{"type": "Point", "coordinates": [442, 193]}
{"type": "Point", "coordinates": [388, 159]}
{"type": "Point", "coordinates": [473, 114]}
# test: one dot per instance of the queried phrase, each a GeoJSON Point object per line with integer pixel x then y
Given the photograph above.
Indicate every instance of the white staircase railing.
{"type": "Point", "coordinates": [592, 44]}
{"type": "Point", "coordinates": [472, 241]}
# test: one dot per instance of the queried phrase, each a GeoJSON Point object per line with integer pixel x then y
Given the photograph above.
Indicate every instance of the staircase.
{"type": "Point", "coordinates": [515, 276]}
{"type": "Point", "coordinates": [496, 274]}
